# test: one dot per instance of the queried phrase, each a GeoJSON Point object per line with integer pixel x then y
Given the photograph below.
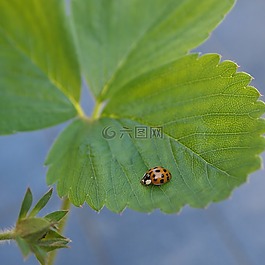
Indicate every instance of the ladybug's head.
{"type": "Point", "coordinates": [146, 180]}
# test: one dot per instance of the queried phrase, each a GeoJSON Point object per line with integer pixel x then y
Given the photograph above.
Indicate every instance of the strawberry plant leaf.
{"type": "Point", "coordinates": [26, 204]}
{"type": "Point", "coordinates": [205, 116]}
{"type": "Point", "coordinates": [56, 216]}
{"type": "Point", "coordinates": [41, 203]}
{"type": "Point", "coordinates": [23, 246]}
{"type": "Point", "coordinates": [119, 40]}
{"type": "Point", "coordinates": [211, 140]}
{"type": "Point", "coordinates": [40, 254]}
{"type": "Point", "coordinates": [39, 77]}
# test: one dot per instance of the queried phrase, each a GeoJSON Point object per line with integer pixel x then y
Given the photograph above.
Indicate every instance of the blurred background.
{"type": "Point", "coordinates": [231, 232]}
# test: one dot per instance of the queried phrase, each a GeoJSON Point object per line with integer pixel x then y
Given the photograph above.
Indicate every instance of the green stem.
{"type": "Point", "coordinates": [7, 235]}
{"type": "Point", "coordinates": [97, 110]}
{"type": "Point", "coordinates": [80, 110]}
{"type": "Point", "coordinates": [66, 204]}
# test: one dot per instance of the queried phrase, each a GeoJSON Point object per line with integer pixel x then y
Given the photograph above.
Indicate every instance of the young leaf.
{"type": "Point", "coordinates": [211, 140]}
{"type": "Point", "coordinates": [56, 216]}
{"type": "Point", "coordinates": [52, 235]}
{"type": "Point", "coordinates": [26, 204]}
{"type": "Point", "coordinates": [35, 234]}
{"type": "Point", "coordinates": [53, 244]}
{"type": "Point", "coordinates": [39, 74]}
{"type": "Point", "coordinates": [119, 40]}
{"type": "Point", "coordinates": [53, 241]}
{"type": "Point", "coordinates": [41, 203]}
{"type": "Point", "coordinates": [40, 254]}
{"type": "Point", "coordinates": [23, 246]}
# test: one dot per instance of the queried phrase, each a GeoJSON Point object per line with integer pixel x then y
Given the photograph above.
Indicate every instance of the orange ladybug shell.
{"type": "Point", "coordinates": [156, 176]}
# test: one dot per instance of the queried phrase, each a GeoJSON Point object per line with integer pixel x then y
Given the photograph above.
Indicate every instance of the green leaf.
{"type": "Point", "coordinates": [50, 245]}
{"type": "Point", "coordinates": [212, 129]}
{"type": "Point", "coordinates": [119, 40]}
{"type": "Point", "coordinates": [26, 204]}
{"type": "Point", "coordinates": [41, 203]}
{"type": "Point", "coordinates": [40, 254]}
{"type": "Point", "coordinates": [23, 246]}
{"type": "Point", "coordinates": [53, 241]}
{"type": "Point", "coordinates": [39, 74]}
{"type": "Point", "coordinates": [51, 235]}
{"type": "Point", "coordinates": [56, 216]}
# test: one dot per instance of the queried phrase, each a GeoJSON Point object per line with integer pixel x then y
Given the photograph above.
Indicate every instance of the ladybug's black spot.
{"type": "Point", "coordinates": [155, 167]}
{"type": "Point", "coordinates": [162, 175]}
{"type": "Point", "coordinates": [164, 170]}
{"type": "Point", "coordinates": [161, 181]}
{"type": "Point", "coordinates": [167, 178]}
{"type": "Point", "coordinates": [157, 170]}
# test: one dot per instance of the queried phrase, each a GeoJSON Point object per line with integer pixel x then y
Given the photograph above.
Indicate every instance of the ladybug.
{"type": "Point", "coordinates": [156, 176]}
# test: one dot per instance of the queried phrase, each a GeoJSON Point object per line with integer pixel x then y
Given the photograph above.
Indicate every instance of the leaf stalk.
{"type": "Point", "coordinates": [97, 110]}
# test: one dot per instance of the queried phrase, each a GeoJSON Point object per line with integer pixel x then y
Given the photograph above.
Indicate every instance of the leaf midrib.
{"type": "Point", "coordinates": [188, 149]}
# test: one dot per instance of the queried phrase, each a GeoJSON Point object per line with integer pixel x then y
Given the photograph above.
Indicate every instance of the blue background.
{"type": "Point", "coordinates": [231, 232]}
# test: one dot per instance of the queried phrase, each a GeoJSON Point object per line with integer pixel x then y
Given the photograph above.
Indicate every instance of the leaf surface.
{"type": "Point", "coordinates": [211, 125]}
{"type": "Point", "coordinates": [39, 74]}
